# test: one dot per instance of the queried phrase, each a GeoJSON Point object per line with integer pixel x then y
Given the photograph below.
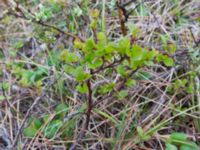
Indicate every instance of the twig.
{"type": "Point", "coordinates": [88, 114]}
{"type": "Point", "coordinates": [23, 16]}
{"type": "Point", "coordinates": [118, 88]}
{"type": "Point", "coordinates": [116, 62]}
{"type": "Point", "coordinates": [122, 18]}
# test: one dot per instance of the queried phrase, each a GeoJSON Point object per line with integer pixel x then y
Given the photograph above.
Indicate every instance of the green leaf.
{"type": "Point", "coordinates": [124, 45]}
{"type": "Point", "coordinates": [100, 52]}
{"type": "Point", "coordinates": [171, 147]}
{"type": "Point", "coordinates": [146, 137]}
{"type": "Point", "coordinates": [78, 73]}
{"type": "Point", "coordinates": [177, 84]}
{"type": "Point", "coordinates": [140, 131]}
{"type": "Point", "coordinates": [178, 136]}
{"type": "Point", "coordinates": [82, 88]}
{"type": "Point", "coordinates": [33, 128]}
{"type": "Point", "coordinates": [2, 97]}
{"type": "Point", "coordinates": [95, 64]}
{"type": "Point", "coordinates": [93, 24]}
{"type": "Point", "coordinates": [77, 11]}
{"type": "Point", "coordinates": [63, 55]}
{"type": "Point", "coordinates": [52, 128]}
{"type": "Point", "coordinates": [70, 69]}
{"type": "Point", "coordinates": [194, 145]}
{"type": "Point", "coordinates": [53, 58]}
{"type": "Point", "coordinates": [107, 88]}
{"type": "Point", "coordinates": [164, 39]}
{"type": "Point", "coordinates": [89, 45]}
{"type": "Point", "coordinates": [152, 54]}
{"type": "Point", "coordinates": [39, 74]}
{"type": "Point", "coordinates": [190, 89]}
{"type": "Point", "coordinates": [68, 128]}
{"type": "Point", "coordinates": [95, 13]}
{"type": "Point", "coordinates": [121, 69]}
{"type": "Point", "coordinates": [110, 48]}
{"type": "Point", "coordinates": [130, 82]}
{"type": "Point", "coordinates": [101, 44]}
{"type": "Point", "coordinates": [142, 135]}
{"type": "Point", "coordinates": [168, 61]}
{"type": "Point", "coordinates": [189, 146]}
{"type": "Point", "coordinates": [137, 53]}
{"type": "Point", "coordinates": [78, 44]}
{"type": "Point", "coordinates": [159, 57]}
{"type": "Point", "coordinates": [44, 14]}
{"type": "Point", "coordinates": [30, 131]}
{"type": "Point", "coordinates": [185, 147]}
{"type": "Point", "coordinates": [82, 76]}
{"type": "Point", "coordinates": [61, 110]}
{"type": "Point", "coordinates": [37, 123]}
{"type": "Point", "coordinates": [122, 94]}
{"type": "Point", "coordinates": [72, 57]}
{"type": "Point", "coordinates": [101, 37]}
{"type": "Point", "coordinates": [4, 85]}
{"type": "Point", "coordinates": [28, 77]}
{"type": "Point", "coordinates": [68, 57]}
{"type": "Point", "coordinates": [18, 45]}
{"type": "Point", "coordinates": [136, 63]}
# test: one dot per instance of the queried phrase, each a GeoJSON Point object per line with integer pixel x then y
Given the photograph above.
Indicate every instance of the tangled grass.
{"type": "Point", "coordinates": [40, 107]}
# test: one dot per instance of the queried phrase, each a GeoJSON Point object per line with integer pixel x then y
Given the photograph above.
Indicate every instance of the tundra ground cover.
{"type": "Point", "coordinates": [99, 74]}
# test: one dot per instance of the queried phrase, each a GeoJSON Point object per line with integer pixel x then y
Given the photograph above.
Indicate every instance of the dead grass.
{"type": "Point", "coordinates": [113, 124]}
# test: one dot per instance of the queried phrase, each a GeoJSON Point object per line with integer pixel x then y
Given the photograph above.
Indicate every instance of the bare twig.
{"type": "Point", "coordinates": [122, 18]}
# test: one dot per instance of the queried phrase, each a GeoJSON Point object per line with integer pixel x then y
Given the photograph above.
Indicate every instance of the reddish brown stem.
{"type": "Point", "coordinates": [122, 18]}
{"type": "Point", "coordinates": [88, 114]}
